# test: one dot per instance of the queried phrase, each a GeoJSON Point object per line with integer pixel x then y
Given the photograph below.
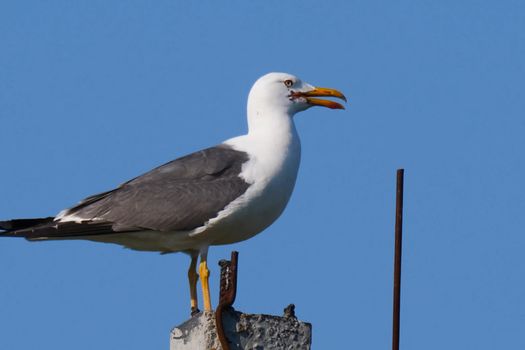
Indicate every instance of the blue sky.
{"type": "Point", "coordinates": [93, 93]}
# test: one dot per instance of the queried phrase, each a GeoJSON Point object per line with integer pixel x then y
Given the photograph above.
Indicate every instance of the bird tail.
{"type": "Point", "coordinates": [10, 227]}
{"type": "Point", "coordinates": [49, 228]}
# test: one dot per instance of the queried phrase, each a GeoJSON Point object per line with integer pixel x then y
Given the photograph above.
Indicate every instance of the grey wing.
{"type": "Point", "coordinates": [180, 195]}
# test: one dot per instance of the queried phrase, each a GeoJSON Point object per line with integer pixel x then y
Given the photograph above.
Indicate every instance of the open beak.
{"type": "Point", "coordinates": [321, 92]}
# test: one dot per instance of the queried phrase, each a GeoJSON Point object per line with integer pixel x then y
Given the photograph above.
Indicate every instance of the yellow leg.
{"type": "Point", "coordinates": [193, 277]}
{"type": "Point", "coordinates": [204, 275]}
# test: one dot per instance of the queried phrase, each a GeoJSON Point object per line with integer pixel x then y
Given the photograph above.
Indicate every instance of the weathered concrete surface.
{"type": "Point", "coordinates": [196, 333]}
{"type": "Point", "coordinates": [244, 332]}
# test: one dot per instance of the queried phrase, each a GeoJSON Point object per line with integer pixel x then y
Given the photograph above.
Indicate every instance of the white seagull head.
{"type": "Point", "coordinates": [286, 93]}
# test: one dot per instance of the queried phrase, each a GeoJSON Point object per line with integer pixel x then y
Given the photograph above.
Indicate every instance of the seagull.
{"type": "Point", "coordinates": [219, 195]}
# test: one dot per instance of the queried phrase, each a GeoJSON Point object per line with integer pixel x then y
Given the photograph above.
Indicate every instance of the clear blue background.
{"type": "Point", "coordinates": [93, 93]}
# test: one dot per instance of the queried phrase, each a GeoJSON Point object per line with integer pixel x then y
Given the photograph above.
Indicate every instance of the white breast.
{"type": "Point", "coordinates": [271, 170]}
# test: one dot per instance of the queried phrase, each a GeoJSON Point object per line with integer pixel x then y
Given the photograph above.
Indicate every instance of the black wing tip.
{"type": "Point", "coordinates": [42, 229]}
{"type": "Point", "coordinates": [22, 224]}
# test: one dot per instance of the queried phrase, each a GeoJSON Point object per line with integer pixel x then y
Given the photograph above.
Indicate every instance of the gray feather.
{"type": "Point", "coordinates": [180, 195]}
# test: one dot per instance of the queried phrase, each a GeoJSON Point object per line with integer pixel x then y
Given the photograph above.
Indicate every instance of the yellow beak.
{"type": "Point", "coordinates": [318, 92]}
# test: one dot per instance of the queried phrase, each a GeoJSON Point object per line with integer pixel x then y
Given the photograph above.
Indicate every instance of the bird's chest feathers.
{"type": "Point", "coordinates": [272, 171]}
{"type": "Point", "coordinates": [274, 182]}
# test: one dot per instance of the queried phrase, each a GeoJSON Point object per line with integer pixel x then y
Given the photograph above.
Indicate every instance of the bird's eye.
{"type": "Point", "coordinates": [288, 83]}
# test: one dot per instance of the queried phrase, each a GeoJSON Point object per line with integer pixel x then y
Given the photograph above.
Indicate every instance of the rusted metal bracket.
{"type": "Point", "coordinates": [228, 291]}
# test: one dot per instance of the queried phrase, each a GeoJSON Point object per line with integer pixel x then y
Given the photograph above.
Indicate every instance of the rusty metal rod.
{"type": "Point", "coordinates": [228, 292]}
{"type": "Point", "coordinates": [397, 259]}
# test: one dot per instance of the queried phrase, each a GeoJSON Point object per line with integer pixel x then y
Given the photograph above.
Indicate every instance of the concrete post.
{"type": "Point", "coordinates": [243, 331]}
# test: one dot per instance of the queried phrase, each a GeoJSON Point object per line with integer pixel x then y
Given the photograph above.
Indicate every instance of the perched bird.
{"type": "Point", "coordinates": [219, 195]}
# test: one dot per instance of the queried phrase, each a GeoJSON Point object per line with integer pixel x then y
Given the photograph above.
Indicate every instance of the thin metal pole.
{"type": "Point", "coordinates": [397, 259]}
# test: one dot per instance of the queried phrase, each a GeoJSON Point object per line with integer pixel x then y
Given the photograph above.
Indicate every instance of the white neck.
{"type": "Point", "coordinates": [272, 141]}
{"type": "Point", "coordinates": [267, 116]}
